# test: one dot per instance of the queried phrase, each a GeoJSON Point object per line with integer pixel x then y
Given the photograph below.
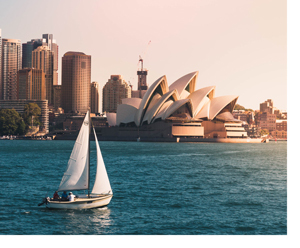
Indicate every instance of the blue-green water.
{"type": "Point", "coordinates": [159, 188]}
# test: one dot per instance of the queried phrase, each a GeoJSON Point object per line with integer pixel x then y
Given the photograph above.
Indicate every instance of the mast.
{"type": "Point", "coordinates": [89, 154]}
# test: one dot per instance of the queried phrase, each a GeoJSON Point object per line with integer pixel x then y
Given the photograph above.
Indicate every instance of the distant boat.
{"type": "Point", "coordinates": [77, 176]}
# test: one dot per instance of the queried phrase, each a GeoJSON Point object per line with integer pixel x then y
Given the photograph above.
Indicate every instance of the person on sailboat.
{"type": "Point", "coordinates": [55, 196]}
{"type": "Point", "coordinates": [64, 196]}
{"type": "Point", "coordinates": [71, 197]}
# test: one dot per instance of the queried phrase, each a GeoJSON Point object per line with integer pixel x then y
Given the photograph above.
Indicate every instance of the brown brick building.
{"type": "Point", "coordinates": [76, 82]}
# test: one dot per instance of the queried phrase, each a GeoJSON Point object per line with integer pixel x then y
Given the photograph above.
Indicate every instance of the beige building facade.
{"type": "Point", "coordinates": [267, 121]}
{"type": "Point", "coordinates": [31, 84]}
{"type": "Point", "coordinates": [279, 134]}
{"type": "Point", "coordinates": [281, 125]}
{"type": "Point", "coordinates": [11, 62]}
{"type": "Point", "coordinates": [51, 42]}
{"type": "Point", "coordinates": [76, 82]}
{"type": "Point", "coordinates": [267, 106]}
{"type": "Point", "coordinates": [113, 92]}
{"type": "Point", "coordinates": [42, 58]}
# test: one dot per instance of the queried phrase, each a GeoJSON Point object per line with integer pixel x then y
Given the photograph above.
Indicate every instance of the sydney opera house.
{"type": "Point", "coordinates": [178, 112]}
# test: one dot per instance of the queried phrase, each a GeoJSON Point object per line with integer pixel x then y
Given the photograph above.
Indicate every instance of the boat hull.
{"type": "Point", "coordinates": [81, 203]}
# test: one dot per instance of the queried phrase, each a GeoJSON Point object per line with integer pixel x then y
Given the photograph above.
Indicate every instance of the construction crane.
{"type": "Point", "coordinates": [144, 54]}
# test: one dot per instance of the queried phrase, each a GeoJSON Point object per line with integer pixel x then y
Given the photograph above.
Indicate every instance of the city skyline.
{"type": "Point", "coordinates": [240, 47]}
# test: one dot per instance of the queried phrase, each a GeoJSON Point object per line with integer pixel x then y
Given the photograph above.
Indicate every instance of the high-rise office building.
{"type": "Point", "coordinates": [28, 48]}
{"type": "Point", "coordinates": [76, 82]}
{"type": "Point", "coordinates": [42, 58]}
{"type": "Point", "coordinates": [11, 63]}
{"type": "Point", "coordinates": [114, 91]}
{"type": "Point", "coordinates": [54, 48]}
{"type": "Point", "coordinates": [31, 84]}
{"type": "Point", "coordinates": [94, 97]}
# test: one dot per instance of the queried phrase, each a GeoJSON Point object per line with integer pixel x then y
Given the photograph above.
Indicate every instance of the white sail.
{"type": "Point", "coordinates": [102, 185]}
{"type": "Point", "coordinates": [76, 177]}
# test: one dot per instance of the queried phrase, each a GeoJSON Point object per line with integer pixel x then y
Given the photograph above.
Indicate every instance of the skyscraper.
{"type": "Point", "coordinates": [30, 46]}
{"type": "Point", "coordinates": [94, 97]}
{"type": "Point", "coordinates": [54, 48]}
{"type": "Point", "coordinates": [114, 91]}
{"type": "Point", "coordinates": [76, 82]}
{"type": "Point", "coordinates": [31, 84]}
{"type": "Point", "coordinates": [27, 49]}
{"type": "Point", "coordinates": [42, 58]}
{"type": "Point", "coordinates": [11, 63]}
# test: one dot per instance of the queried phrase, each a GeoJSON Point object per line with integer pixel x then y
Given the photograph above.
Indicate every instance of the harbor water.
{"type": "Point", "coordinates": [159, 189]}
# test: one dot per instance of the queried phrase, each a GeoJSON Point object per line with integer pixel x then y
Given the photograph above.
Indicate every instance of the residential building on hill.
{"type": "Point", "coordinates": [267, 106]}
{"type": "Point", "coordinates": [267, 121]}
{"type": "Point", "coordinates": [281, 125]}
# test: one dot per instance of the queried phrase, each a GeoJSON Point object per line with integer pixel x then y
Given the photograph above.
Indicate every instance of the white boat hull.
{"type": "Point", "coordinates": [81, 203]}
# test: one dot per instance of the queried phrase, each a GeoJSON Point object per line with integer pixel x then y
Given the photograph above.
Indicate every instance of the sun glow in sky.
{"type": "Point", "coordinates": [238, 46]}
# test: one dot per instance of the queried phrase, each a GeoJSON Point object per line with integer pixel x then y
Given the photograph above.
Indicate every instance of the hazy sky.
{"type": "Point", "coordinates": [238, 46]}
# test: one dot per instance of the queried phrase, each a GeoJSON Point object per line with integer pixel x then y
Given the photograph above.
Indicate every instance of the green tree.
{"type": "Point", "coordinates": [31, 114]}
{"type": "Point", "coordinates": [264, 132]}
{"type": "Point", "coordinates": [240, 107]}
{"type": "Point", "coordinates": [11, 123]}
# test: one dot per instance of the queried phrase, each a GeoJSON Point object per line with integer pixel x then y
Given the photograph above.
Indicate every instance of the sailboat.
{"type": "Point", "coordinates": [77, 175]}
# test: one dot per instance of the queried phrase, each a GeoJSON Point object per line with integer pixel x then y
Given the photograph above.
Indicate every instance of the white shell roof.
{"type": "Point", "coordinates": [204, 113]}
{"type": "Point", "coordinates": [135, 102]}
{"type": "Point", "coordinates": [159, 85]}
{"type": "Point", "coordinates": [199, 98]}
{"type": "Point", "coordinates": [218, 103]}
{"type": "Point", "coordinates": [181, 84]}
{"type": "Point", "coordinates": [157, 102]}
{"type": "Point", "coordinates": [125, 113]}
{"type": "Point", "coordinates": [176, 105]}
{"type": "Point", "coordinates": [215, 106]}
{"type": "Point", "coordinates": [151, 112]}
{"type": "Point", "coordinates": [163, 109]}
{"type": "Point", "coordinates": [111, 119]}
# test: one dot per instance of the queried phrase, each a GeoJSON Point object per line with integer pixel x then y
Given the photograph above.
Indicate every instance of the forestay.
{"type": "Point", "coordinates": [102, 185]}
{"type": "Point", "coordinates": [77, 173]}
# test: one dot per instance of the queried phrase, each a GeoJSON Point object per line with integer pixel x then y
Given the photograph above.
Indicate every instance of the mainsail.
{"type": "Point", "coordinates": [76, 176]}
{"type": "Point", "coordinates": [102, 185]}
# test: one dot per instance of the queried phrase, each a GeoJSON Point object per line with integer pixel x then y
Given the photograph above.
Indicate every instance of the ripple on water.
{"type": "Point", "coordinates": [159, 189]}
